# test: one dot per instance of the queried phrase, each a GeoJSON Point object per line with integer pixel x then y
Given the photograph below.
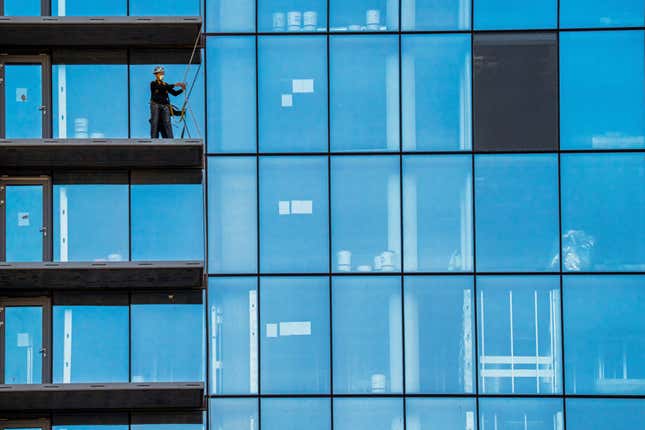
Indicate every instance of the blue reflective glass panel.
{"type": "Point", "coordinates": [99, 212]}
{"type": "Point", "coordinates": [602, 90]}
{"type": "Point", "coordinates": [231, 95]}
{"type": "Point", "coordinates": [366, 215]}
{"type": "Point", "coordinates": [603, 212]}
{"type": "Point", "coordinates": [368, 414]}
{"type": "Point", "coordinates": [516, 202]}
{"type": "Point", "coordinates": [292, 15]}
{"type": "Point", "coordinates": [445, 414]}
{"type": "Point", "coordinates": [439, 334]}
{"type": "Point", "coordinates": [526, 414]}
{"type": "Point", "coordinates": [295, 335]}
{"type": "Point", "coordinates": [233, 328]}
{"type": "Point", "coordinates": [296, 414]}
{"type": "Point", "coordinates": [167, 343]}
{"type": "Point", "coordinates": [228, 16]}
{"type": "Point", "coordinates": [165, 7]}
{"type": "Point", "coordinates": [367, 340]}
{"type": "Point", "coordinates": [363, 15]}
{"type": "Point", "coordinates": [294, 223]}
{"type": "Point", "coordinates": [90, 101]}
{"type": "Point", "coordinates": [605, 334]}
{"type": "Point", "coordinates": [23, 340]}
{"type": "Point", "coordinates": [519, 334]}
{"type": "Point", "coordinates": [167, 427]}
{"type": "Point", "coordinates": [91, 344]}
{"type": "Point", "coordinates": [435, 15]}
{"type": "Point", "coordinates": [601, 414]}
{"type": "Point", "coordinates": [23, 97]}
{"type": "Point", "coordinates": [140, 78]}
{"type": "Point", "coordinates": [364, 73]}
{"type": "Point", "coordinates": [511, 14]}
{"type": "Point", "coordinates": [23, 222]}
{"type": "Point", "coordinates": [89, 8]}
{"type": "Point", "coordinates": [22, 7]}
{"type": "Point", "coordinates": [234, 414]}
{"type": "Point", "coordinates": [601, 13]}
{"type": "Point", "coordinates": [232, 215]}
{"type": "Point", "coordinates": [167, 222]}
{"type": "Point", "coordinates": [293, 94]}
{"type": "Point", "coordinates": [438, 213]}
{"type": "Point", "coordinates": [436, 92]}
{"type": "Point", "coordinates": [89, 427]}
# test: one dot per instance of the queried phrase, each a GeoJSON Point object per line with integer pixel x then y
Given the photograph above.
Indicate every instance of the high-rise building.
{"type": "Point", "coordinates": [374, 215]}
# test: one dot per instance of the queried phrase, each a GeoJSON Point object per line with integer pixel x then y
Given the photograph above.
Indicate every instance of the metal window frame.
{"type": "Point", "coordinates": [42, 424]}
{"type": "Point", "coordinates": [45, 303]}
{"type": "Point", "coordinates": [46, 183]}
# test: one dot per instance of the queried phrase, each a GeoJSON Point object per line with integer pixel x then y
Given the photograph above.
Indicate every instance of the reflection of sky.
{"type": "Point", "coordinates": [23, 96]}
{"type": "Point", "coordinates": [140, 78]}
{"type": "Point", "coordinates": [22, 7]}
{"type": "Point", "coordinates": [89, 8]}
{"type": "Point", "coordinates": [24, 215]}
{"type": "Point", "coordinates": [23, 340]}
{"type": "Point", "coordinates": [164, 7]}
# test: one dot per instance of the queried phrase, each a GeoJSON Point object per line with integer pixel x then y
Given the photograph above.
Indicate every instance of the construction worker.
{"type": "Point", "coordinates": [160, 108]}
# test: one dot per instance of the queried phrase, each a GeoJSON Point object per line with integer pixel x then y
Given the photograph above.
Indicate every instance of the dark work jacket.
{"type": "Point", "coordinates": [159, 92]}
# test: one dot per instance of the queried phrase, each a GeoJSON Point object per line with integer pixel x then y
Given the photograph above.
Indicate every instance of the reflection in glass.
{"type": "Point", "coordinates": [366, 214]}
{"type": "Point", "coordinates": [295, 335]}
{"type": "Point", "coordinates": [368, 414]}
{"type": "Point", "coordinates": [167, 222]}
{"type": "Point", "coordinates": [445, 414]}
{"type": "Point", "coordinates": [602, 88]}
{"type": "Point", "coordinates": [24, 221]}
{"type": "Point", "coordinates": [23, 341]}
{"type": "Point", "coordinates": [293, 94]}
{"type": "Point", "coordinates": [514, 15]}
{"type": "Point", "coordinates": [89, 8]}
{"type": "Point", "coordinates": [82, 109]}
{"type": "Point", "coordinates": [91, 344]}
{"type": "Point", "coordinates": [296, 414]}
{"type": "Point", "coordinates": [603, 212]}
{"type": "Point", "coordinates": [438, 213]}
{"type": "Point", "coordinates": [292, 15]}
{"type": "Point", "coordinates": [167, 427]}
{"type": "Point", "coordinates": [436, 92]}
{"type": "Point", "coordinates": [516, 199]}
{"type": "Point", "coordinates": [435, 15]}
{"type": "Point", "coordinates": [519, 334]}
{"type": "Point", "coordinates": [602, 414]}
{"type": "Point", "coordinates": [165, 7]}
{"type": "Point", "coordinates": [85, 211]}
{"type": "Point", "coordinates": [140, 78]}
{"type": "Point", "coordinates": [87, 427]}
{"type": "Point", "coordinates": [232, 215]}
{"type": "Point", "coordinates": [364, 73]}
{"type": "Point", "coordinates": [22, 7]}
{"type": "Point", "coordinates": [526, 414]}
{"type": "Point", "coordinates": [233, 335]}
{"type": "Point", "coordinates": [234, 414]}
{"type": "Point", "coordinates": [605, 334]}
{"type": "Point", "coordinates": [364, 15]}
{"type": "Point", "coordinates": [601, 13]}
{"type": "Point", "coordinates": [228, 16]}
{"type": "Point", "coordinates": [294, 215]}
{"type": "Point", "coordinates": [231, 94]}
{"type": "Point", "coordinates": [439, 334]}
{"type": "Point", "coordinates": [167, 343]}
{"type": "Point", "coordinates": [367, 335]}
{"type": "Point", "coordinates": [23, 97]}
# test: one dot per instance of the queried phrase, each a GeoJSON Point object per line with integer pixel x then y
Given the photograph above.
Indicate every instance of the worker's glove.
{"type": "Point", "coordinates": [181, 85]}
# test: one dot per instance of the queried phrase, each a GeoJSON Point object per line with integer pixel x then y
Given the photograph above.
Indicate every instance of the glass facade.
{"type": "Point", "coordinates": [414, 214]}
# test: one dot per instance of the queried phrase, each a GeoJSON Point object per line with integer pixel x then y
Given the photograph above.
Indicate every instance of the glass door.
{"type": "Point", "coordinates": [24, 340]}
{"type": "Point", "coordinates": [25, 219]}
{"type": "Point", "coordinates": [25, 103]}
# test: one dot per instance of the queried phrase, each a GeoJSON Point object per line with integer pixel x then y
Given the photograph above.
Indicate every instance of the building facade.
{"type": "Point", "coordinates": [408, 214]}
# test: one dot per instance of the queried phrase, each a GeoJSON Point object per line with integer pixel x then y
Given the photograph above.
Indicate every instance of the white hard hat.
{"type": "Point", "coordinates": [158, 69]}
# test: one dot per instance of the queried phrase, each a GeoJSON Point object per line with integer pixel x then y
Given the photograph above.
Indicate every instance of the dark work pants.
{"type": "Point", "coordinates": [160, 121]}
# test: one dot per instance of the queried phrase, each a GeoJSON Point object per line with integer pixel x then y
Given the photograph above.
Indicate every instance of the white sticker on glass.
{"type": "Point", "coordinates": [272, 330]}
{"type": "Point", "coordinates": [284, 207]}
{"type": "Point", "coordinates": [302, 86]}
{"type": "Point", "coordinates": [21, 95]}
{"type": "Point", "coordinates": [302, 207]}
{"type": "Point", "coordinates": [23, 219]}
{"type": "Point", "coordinates": [287, 100]}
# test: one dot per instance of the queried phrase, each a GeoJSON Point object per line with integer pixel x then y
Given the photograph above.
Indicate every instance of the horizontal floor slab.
{"type": "Point", "coordinates": [101, 153]}
{"type": "Point", "coordinates": [134, 31]}
{"type": "Point", "coordinates": [104, 275]}
{"type": "Point", "coordinates": [60, 397]}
